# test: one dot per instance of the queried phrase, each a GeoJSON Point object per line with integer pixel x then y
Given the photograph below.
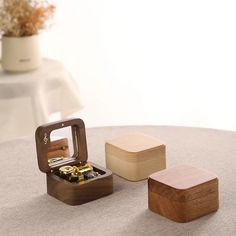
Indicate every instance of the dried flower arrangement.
{"type": "Point", "coordinates": [19, 18]}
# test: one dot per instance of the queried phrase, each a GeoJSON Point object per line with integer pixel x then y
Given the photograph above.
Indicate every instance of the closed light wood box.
{"type": "Point", "coordinates": [183, 193]}
{"type": "Point", "coordinates": [71, 179]}
{"type": "Point", "coordinates": [135, 156]}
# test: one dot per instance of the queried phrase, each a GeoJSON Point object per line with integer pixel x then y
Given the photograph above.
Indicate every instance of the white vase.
{"type": "Point", "coordinates": [20, 53]}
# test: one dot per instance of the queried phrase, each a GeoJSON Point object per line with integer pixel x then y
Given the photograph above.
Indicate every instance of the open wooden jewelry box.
{"type": "Point", "coordinates": [70, 179]}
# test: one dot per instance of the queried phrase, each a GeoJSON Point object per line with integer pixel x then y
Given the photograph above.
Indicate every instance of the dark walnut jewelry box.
{"type": "Point", "coordinates": [70, 179]}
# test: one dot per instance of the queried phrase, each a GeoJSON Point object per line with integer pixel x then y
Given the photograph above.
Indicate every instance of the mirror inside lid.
{"type": "Point", "coordinates": [61, 143]}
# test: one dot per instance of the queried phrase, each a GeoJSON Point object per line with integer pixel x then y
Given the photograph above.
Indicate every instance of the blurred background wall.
{"type": "Point", "coordinates": [149, 61]}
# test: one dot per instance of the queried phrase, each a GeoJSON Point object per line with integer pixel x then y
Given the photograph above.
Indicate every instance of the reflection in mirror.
{"type": "Point", "coordinates": [61, 145]}
{"type": "Point", "coordinates": [63, 157]}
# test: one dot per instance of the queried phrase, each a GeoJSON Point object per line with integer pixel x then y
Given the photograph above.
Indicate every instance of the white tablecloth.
{"type": "Point", "coordinates": [28, 99]}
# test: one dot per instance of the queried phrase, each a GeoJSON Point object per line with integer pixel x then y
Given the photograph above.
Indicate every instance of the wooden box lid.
{"type": "Point", "coordinates": [42, 138]}
{"type": "Point", "coordinates": [131, 144]}
{"type": "Point", "coordinates": [180, 182]}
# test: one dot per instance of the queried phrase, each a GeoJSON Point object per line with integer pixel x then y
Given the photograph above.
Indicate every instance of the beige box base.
{"type": "Point", "coordinates": [135, 156]}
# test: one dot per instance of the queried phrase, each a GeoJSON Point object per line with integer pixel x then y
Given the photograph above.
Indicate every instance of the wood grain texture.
{"type": "Point", "coordinates": [80, 193]}
{"type": "Point", "coordinates": [135, 156]}
{"type": "Point", "coordinates": [134, 143]}
{"type": "Point", "coordinates": [183, 176]}
{"type": "Point", "coordinates": [168, 196]}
